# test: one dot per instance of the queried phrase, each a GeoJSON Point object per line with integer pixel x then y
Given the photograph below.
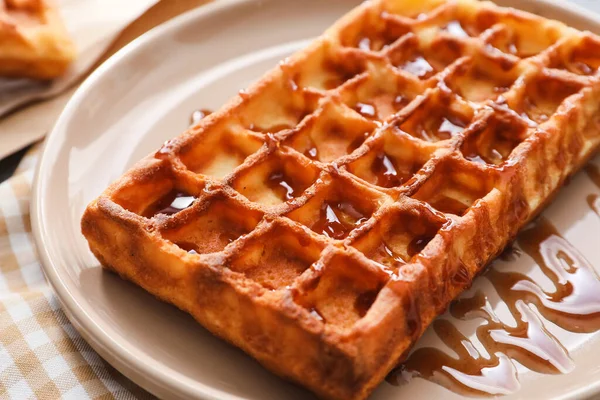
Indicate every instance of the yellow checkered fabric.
{"type": "Point", "coordinates": [41, 354]}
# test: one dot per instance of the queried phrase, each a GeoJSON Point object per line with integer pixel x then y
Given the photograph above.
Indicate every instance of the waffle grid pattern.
{"type": "Point", "coordinates": [326, 215]}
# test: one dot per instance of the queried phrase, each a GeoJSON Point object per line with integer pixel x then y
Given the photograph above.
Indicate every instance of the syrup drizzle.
{"type": "Point", "coordinates": [366, 110]}
{"type": "Point", "coordinates": [279, 183]}
{"type": "Point", "coordinates": [190, 247]}
{"type": "Point", "coordinates": [364, 301]}
{"type": "Point", "coordinates": [337, 219]}
{"type": "Point", "coordinates": [400, 101]}
{"type": "Point", "coordinates": [573, 305]}
{"type": "Point", "coordinates": [418, 66]}
{"type": "Point", "coordinates": [387, 257]}
{"type": "Point", "coordinates": [312, 153]}
{"type": "Point", "coordinates": [417, 245]}
{"type": "Point", "coordinates": [386, 174]}
{"type": "Point", "coordinates": [357, 142]}
{"type": "Point", "coordinates": [532, 113]}
{"type": "Point", "coordinates": [199, 115]}
{"type": "Point", "coordinates": [449, 205]}
{"type": "Point", "coordinates": [456, 29]}
{"type": "Point", "coordinates": [593, 199]}
{"type": "Point", "coordinates": [449, 126]}
{"type": "Point", "coordinates": [270, 129]}
{"type": "Point", "coordinates": [315, 313]}
{"type": "Point", "coordinates": [581, 68]}
{"type": "Point", "coordinates": [492, 156]}
{"type": "Point", "coordinates": [170, 204]}
{"type": "Point", "coordinates": [364, 43]}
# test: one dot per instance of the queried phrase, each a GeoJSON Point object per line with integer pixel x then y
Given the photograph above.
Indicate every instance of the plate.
{"type": "Point", "coordinates": [146, 94]}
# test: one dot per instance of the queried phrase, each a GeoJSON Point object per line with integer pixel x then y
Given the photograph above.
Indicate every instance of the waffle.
{"type": "Point", "coordinates": [33, 40]}
{"type": "Point", "coordinates": [324, 217]}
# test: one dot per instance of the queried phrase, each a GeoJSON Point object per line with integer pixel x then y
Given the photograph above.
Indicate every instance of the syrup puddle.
{"type": "Point", "coordinates": [593, 199]}
{"type": "Point", "coordinates": [485, 366]}
{"type": "Point", "coordinates": [338, 219]}
{"type": "Point", "coordinates": [385, 171]}
{"type": "Point", "coordinates": [281, 185]}
{"type": "Point", "coordinates": [418, 66]}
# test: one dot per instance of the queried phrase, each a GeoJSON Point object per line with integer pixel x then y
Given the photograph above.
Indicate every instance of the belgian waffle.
{"type": "Point", "coordinates": [322, 218]}
{"type": "Point", "coordinates": [33, 40]}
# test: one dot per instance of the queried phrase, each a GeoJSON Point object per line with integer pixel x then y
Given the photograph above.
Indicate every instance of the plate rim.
{"type": "Point", "coordinates": [147, 376]}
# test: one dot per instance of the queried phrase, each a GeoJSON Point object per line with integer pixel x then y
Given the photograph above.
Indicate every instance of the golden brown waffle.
{"type": "Point", "coordinates": [322, 218]}
{"type": "Point", "coordinates": [33, 40]}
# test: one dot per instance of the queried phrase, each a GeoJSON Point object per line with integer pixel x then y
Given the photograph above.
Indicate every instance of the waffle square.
{"type": "Point", "coordinates": [33, 40]}
{"type": "Point", "coordinates": [324, 217]}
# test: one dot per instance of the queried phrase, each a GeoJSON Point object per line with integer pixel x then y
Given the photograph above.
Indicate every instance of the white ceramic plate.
{"type": "Point", "coordinates": [145, 95]}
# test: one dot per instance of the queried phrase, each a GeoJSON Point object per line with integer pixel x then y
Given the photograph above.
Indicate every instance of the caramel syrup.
{"type": "Point", "coordinates": [449, 126]}
{"type": "Point", "coordinates": [198, 115]}
{"type": "Point", "coordinates": [506, 45]}
{"type": "Point", "coordinates": [490, 156]}
{"type": "Point", "coordinates": [455, 28]}
{"type": "Point", "coordinates": [367, 110]}
{"type": "Point", "coordinates": [581, 68]}
{"type": "Point", "coordinates": [487, 86]}
{"type": "Point", "coordinates": [190, 247]}
{"type": "Point", "coordinates": [418, 66]}
{"type": "Point", "coordinates": [593, 200]}
{"type": "Point", "coordinates": [364, 43]}
{"type": "Point", "coordinates": [311, 150]}
{"type": "Point", "coordinates": [532, 113]}
{"type": "Point", "coordinates": [448, 205]}
{"type": "Point", "coordinates": [270, 129]}
{"type": "Point", "coordinates": [230, 236]}
{"type": "Point", "coordinates": [387, 257]}
{"type": "Point", "coordinates": [400, 102]}
{"type": "Point", "coordinates": [480, 159]}
{"type": "Point", "coordinates": [170, 204]}
{"type": "Point", "coordinates": [315, 313]}
{"type": "Point", "coordinates": [357, 142]}
{"type": "Point", "coordinates": [338, 73]}
{"type": "Point", "coordinates": [417, 245]}
{"type": "Point", "coordinates": [573, 304]}
{"type": "Point", "coordinates": [511, 47]}
{"type": "Point", "coordinates": [364, 301]}
{"type": "Point", "coordinates": [337, 219]}
{"type": "Point", "coordinates": [386, 174]}
{"type": "Point", "coordinates": [281, 185]}
{"type": "Point", "coordinates": [312, 153]}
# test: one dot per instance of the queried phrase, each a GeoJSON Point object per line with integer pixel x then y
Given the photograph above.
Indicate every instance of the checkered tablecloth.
{"type": "Point", "coordinates": [41, 354]}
